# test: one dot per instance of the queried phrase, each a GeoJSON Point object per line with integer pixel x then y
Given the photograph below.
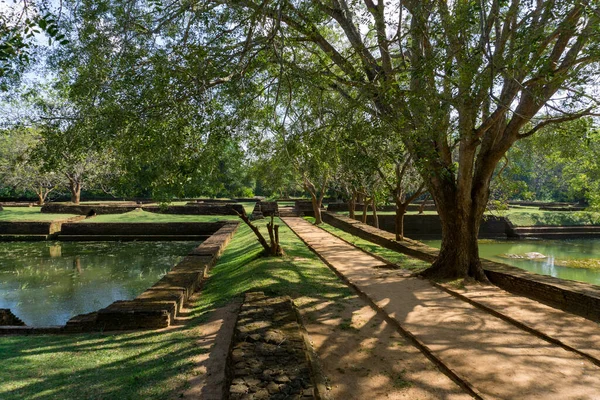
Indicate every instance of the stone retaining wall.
{"type": "Point", "coordinates": [577, 297]}
{"type": "Point", "coordinates": [269, 358]}
{"type": "Point", "coordinates": [385, 239]}
{"type": "Point", "coordinates": [7, 318]}
{"type": "Point", "coordinates": [428, 226]}
{"type": "Point", "coordinates": [340, 207]}
{"type": "Point", "coordinates": [141, 228]}
{"type": "Point", "coordinates": [198, 209]}
{"type": "Point", "coordinates": [88, 209]}
{"type": "Point", "coordinates": [33, 227]}
{"type": "Point", "coordinates": [101, 209]}
{"type": "Point", "coordinates": [158, 306]}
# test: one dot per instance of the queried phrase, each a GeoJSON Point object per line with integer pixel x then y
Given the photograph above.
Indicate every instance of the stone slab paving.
{"type": "Point", "coordinates": [495, 359]}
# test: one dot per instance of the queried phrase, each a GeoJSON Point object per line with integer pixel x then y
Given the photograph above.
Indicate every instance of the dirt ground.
{"type": "Point", "coordinates": [362, 356]}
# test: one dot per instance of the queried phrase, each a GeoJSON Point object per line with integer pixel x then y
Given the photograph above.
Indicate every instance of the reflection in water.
{"type": "Point", "coordinates": [55, 251]}
{"type": "Point", "coordinates": [46, 283]}
{"type": "Point", "coordinates": [554, 250]}
{"type": "Point", "coordinates": [77, 264]}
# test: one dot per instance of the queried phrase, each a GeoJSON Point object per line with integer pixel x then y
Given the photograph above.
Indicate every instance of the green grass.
{"type": "Point", "coordinates": [299, 273]}
{"type": "Point", "coordinates": [157, 365]}
{"type": "Point", "coordinates": [391, 256]}
{"type": "Point", "coordinates": [145, 216]}
{"type": "Point", "coordinates": [249, 207]}
{"type": "Point", "coordinates": [29, 214]}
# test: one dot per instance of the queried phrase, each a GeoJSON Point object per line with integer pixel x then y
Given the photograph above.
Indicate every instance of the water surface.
{"type": "Point", "coordinates": [47, 283]}
{"type": "Point", "coordinates": [567, 249]}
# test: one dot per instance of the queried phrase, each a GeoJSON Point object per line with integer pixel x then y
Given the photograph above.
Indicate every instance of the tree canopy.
{"type": "Point", "coordinates": [181, 89]}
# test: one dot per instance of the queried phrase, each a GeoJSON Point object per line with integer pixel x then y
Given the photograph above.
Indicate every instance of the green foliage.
{"type": "Point", "coordinates": [20, 22]}
{"type": "Point", "coordinates": [558, 164]}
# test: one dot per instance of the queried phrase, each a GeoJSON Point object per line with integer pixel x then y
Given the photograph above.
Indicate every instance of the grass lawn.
{"type": "Point", "coordinates": [28, 214]}
{"type": "Point", "coordinates": [145, 216]}
{"type": "Point", "coordinates": [393, 257]}
{"type": "Point", "coordinates": [249, 207]}
{"type": "Point", "coordinates": [157, 365]}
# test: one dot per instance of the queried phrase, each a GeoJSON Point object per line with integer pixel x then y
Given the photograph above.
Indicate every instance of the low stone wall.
{"type": "Point", "coordinates": [565, 209]}
{"type": "Point", "coordinates": [556, 232]}
{"type": "Point", "coordinates": [34, 228]}
{"type": "Point", "coordinates": [158, 306]}
{"type": "Point", "coordinates": [385, 239]}
{"type": "Point", "coordinates": [341, 207]}
{"type": "Point", "coordinates": [16, 204]}
{"type": "Point", "coordinates": [304, 207]}
{"type": "Point", "coordinates": [198, 209]}
{"type": "Point", "coordinates": [140, 228]}
{"type": "Point", "coordinates": [101, 209]}
{"type": "Point", "coordinates": [577, 297]}
{"type": "Point", "coordinates": [542, 203]}
{"type": "Point", "coordinates": [269, 358]}
{"type": "Point", "coordinates": [26, 228]}
{"type": "Point", "coordinates": [87, 209]}
{"type": "Point", "coordinates": [428, 226]}
{"type": "Point", "coordinates": [7, 318]}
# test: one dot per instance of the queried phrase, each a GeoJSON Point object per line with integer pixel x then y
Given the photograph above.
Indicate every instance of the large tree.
{"type": "Point", "coordinates": [458, 82]}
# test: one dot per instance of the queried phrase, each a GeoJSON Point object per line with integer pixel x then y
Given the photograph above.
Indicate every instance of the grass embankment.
{"type": "Point", "coordinates": [157, 365]}
{"type": "Point", "coordinates": [30, 214]}
{"type": "Point", "coordinates": [391, 256]}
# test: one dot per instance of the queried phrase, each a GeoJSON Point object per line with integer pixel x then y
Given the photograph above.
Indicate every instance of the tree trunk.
{"type": "Point", "coordinates": [364, 213]}
{"type": "Point", "coordinates": [459, 253]}
{"type": "Point", "coordinates": [316, 209]}
{"type": "Point", "coordinates": [375, 217]}
{"type": "Point", "coordinates": [423, 204]}
{"type": "Point", "coordinates": [460, 218]}
{"type": "Point", "coordinates": [352, 205]}
{"type": "Point", "coordinates": [399, 220]}
{"type": "Point", "coordinates": [41, 197]}
{"type": "Point", "coordinates": [75, 188]}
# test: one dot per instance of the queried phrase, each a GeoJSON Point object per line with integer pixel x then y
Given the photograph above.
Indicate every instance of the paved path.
{"type": "Point", "coordinates": [494, 358]}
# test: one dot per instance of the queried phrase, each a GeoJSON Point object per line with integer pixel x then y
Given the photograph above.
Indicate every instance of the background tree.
{"type": "Point", "coordinates": [22, 171]}
{"type": "Point", "coordinates": [559, 164]}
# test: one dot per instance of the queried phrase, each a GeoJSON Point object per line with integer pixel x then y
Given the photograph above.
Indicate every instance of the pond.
{"type": "Point", "coordinates": [556, 252]}
{"type": "Point", "coordinates": [47, 283]}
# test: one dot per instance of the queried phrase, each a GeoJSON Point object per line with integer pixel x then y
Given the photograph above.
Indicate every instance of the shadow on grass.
{"type": "Point", "coordinates": [157, 364]}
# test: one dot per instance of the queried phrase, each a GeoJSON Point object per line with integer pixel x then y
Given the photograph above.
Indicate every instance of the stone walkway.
{"type": "Point", "coordinates": [493, 358]}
